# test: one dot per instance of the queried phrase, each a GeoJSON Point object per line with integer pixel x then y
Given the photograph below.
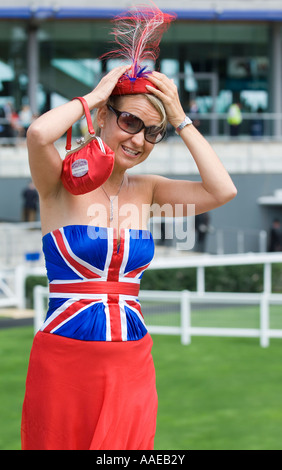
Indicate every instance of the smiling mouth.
{"type": "Point", "coordinates": [131, 152]}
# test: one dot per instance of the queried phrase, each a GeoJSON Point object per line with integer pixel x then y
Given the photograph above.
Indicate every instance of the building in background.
{"type": "Point", "coordinates": [218, 52]}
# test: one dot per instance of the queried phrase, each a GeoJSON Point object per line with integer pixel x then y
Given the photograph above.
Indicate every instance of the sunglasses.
{"type": "Point", "coordinates": [133, 125]}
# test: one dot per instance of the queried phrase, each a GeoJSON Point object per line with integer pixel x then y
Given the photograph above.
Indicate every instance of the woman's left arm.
{"type": "Point", "coordinates": [216, 187]}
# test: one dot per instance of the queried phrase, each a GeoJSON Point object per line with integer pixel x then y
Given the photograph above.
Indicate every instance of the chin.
{"type": "Point", "coordinates": [127, 162]}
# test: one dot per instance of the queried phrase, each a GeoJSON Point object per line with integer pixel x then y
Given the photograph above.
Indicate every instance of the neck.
{"type": "Point", "coordinates": [115, 180]}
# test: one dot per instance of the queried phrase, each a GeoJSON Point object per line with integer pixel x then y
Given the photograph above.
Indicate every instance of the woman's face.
{"type": "Point", "coordinates": [130, 149]}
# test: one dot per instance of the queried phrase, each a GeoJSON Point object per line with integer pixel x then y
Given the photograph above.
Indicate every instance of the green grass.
{"type": "Point", "coordinates": [216, 393]}
{"type": "Point", "coordinates": [222, 317]}
{"type": "Point", "coordinates": [15, 344]}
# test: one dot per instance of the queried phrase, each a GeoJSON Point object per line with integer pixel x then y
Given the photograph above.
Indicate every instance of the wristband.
{"type": "Point", "coordinates": [187, 121]}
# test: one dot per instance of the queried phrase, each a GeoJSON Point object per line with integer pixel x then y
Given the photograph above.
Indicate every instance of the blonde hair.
{"type": "Point", "coordinates": [154, 100]}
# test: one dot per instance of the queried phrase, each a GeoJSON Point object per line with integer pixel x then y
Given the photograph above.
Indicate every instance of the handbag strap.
{"type": "Point", "coordinates": [88, 119]}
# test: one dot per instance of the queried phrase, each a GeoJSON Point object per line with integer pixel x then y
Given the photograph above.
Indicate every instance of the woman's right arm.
{"type": "Point", "coordinates": [44, 159]}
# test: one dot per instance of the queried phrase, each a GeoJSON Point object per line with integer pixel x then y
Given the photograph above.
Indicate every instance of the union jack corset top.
{"type": "Point", "coordinates": [94, 282]}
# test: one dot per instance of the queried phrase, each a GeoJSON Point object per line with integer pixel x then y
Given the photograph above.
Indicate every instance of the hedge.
{"type": "Point", "coordinates": [217, 279]}
{"type": "Point", "coordinates": [247, 278]}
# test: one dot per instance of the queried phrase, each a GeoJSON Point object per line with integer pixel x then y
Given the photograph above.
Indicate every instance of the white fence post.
{"type": "Point", "coordinates": [262, 241]}
{"type": "Point", "coordinates": [267, 280]}
{"type": "Point", "coordinates": [38, 296]}
{"type": "Point", "coordinates": [201, 285]}
{"type": "Point", "coordinates": [185, 317]}
{"type": "Point", "coordinates": [20, 275]}
{"type": "Point", "coordinates": [264, 320]}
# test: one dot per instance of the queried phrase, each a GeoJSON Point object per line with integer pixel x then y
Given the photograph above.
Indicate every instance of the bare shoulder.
{"type": "Point", "coordinates": [144, 185]}
{"type": "Point", "coordinates": [148, 181]}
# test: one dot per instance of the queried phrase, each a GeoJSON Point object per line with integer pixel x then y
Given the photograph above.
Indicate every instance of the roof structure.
{"type": "Point", "coordinates": [202, 10]}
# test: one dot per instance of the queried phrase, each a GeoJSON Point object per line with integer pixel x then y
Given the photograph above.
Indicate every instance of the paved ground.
{"type": "Point", "coordinates": [10, 317]}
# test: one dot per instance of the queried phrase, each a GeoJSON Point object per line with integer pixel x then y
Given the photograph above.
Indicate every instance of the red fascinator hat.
{"type": "Point", "coordinates": [138, 34]}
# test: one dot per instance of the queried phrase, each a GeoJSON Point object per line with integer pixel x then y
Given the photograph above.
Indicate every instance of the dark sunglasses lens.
{"type": "Point", "coordinates": [154, 134]}
{"type": "Point", "coordinates": [130, 123]}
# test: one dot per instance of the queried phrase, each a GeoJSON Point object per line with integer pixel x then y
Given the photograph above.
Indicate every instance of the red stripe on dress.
{"type": "Point", "coordinates": [115, 319]}
{"type": "Point", "coordinates": [85, 272]}
{"type": "Point", "coordinates": [135, 305]}
{"type": "Point", "coordinates": [137, 271]}
{"type": "Point", "coordinates": [71, 310]}
{"type": "Point", "coordinates": [96, 287]}
{"type": "Point", "coordinates": [117, 257]}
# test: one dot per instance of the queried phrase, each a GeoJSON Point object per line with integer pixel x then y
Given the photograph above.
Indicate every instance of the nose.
{"type": "Point", "coordinates": [138, 139]}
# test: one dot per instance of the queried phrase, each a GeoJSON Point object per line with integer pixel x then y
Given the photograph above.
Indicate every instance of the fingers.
{"type": "Point", "coordinates": [119, 71]}
{"type": "Point", "coordinates": [164, 84]}
{"type": "Point", "coordinates": [105, 87]}
{"type": "Point", "coordinates": [160, 77]}
{"type": "Point", "coordinates": [168, 94]}
{"type": "Point", "coordinates": [114, 75]}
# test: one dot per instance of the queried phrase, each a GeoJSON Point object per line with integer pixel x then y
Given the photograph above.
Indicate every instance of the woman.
{"type": "Point", "coordinates": [91, 381]}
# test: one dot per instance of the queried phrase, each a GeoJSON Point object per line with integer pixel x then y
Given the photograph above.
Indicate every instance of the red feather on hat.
{"type": "Point", "coordinates": [138, 34]}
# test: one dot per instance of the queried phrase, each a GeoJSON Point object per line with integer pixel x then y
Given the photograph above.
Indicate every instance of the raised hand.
{"type": "Point", "coordinates": [100, 95]}
{"type": "Point", "coordinates": [168, 94]}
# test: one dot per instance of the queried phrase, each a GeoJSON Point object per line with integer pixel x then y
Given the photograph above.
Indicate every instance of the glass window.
{"type": "Point", "coordinates": [170, 67]}
{"type": "Point", "coordinates": [213, 64]}
{"type": "Point", "coordinates": [69, 59]}
{"type": "Point", "coordinates": [220, 63]}
{"type": "Point", "coordinates": [13, 77]}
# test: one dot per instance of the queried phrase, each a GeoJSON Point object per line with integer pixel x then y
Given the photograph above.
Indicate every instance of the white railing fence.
{"type": "Point", "coordinates": [239, 240]}
{"type": "Point", "coordinates": [19, 243]}
{"type": "Point", "coordinates": [8, 296]}
{"type": "Point", "coordinates": [22, 242]}
{"type": "Point", "coordinates": [184, 300]}
{"type": "Point", "coordinates": [200, 262]}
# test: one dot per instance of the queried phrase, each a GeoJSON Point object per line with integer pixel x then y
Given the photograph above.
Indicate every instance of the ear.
{"type": "Point", "coordinates": [101, 116]}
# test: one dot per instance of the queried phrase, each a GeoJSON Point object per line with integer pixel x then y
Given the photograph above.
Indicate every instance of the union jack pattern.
{"type": "Point", "coordinates": [94, 282]}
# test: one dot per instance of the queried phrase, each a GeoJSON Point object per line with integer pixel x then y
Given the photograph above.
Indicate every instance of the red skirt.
{"type": "Point", "coordinates": [89, 395]}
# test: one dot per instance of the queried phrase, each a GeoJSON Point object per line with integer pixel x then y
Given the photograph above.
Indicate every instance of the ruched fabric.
{"type": "Point", "coordinates": [88, 395]}
{"type": "Point", "coordinates": [91, 378]}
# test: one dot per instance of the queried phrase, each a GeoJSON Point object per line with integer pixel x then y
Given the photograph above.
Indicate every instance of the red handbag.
{"type": "Point", "coordinates": [88, 166]}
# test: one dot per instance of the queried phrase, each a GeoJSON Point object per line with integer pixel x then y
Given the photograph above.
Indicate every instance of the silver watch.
{"type": "Point", "coordinates": [185, 123]}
